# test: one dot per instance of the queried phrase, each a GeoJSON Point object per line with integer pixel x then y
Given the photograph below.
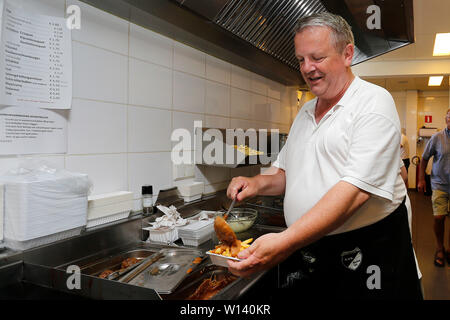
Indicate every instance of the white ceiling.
{"type": "Point", "coordinates": [409, 83]}
{"type": "Point", "coordinates": [430, 17]}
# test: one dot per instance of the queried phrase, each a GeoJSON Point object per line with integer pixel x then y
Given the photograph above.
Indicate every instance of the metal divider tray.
{"type": "Point", "coordinates": [165, 274]}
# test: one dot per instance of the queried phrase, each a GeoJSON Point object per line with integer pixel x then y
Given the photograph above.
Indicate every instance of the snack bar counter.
{"type": "Point", "coordinates": [114, 261]}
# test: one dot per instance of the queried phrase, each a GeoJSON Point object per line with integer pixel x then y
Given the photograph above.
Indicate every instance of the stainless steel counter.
{"type": "Point", "coordinates": [46, 266]}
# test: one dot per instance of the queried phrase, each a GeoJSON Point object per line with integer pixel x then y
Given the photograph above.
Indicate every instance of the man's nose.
{"type": "Point", "coordinates": [307, 66]}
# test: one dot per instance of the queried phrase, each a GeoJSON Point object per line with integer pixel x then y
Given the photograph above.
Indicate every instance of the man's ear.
{"type": "Point", "coordinates": [349, 51]}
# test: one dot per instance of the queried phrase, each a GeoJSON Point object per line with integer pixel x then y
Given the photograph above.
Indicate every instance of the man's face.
{"type": "Point", "coordinates": [323, 68]}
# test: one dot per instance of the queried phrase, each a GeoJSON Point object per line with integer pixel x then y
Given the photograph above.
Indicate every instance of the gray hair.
{"type": "Point", "coordinates": [341, 31]}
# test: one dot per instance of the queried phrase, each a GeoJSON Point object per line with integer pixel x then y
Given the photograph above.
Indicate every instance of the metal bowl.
{"type": "Point", "coordinates": [242, 220]}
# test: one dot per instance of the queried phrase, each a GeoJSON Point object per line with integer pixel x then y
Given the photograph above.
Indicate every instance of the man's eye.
{"type": "Point", "coordinates": [318, 58]}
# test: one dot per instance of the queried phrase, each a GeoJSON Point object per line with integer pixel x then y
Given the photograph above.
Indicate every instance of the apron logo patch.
{"type": "Point", "coordinates": [352, 259]}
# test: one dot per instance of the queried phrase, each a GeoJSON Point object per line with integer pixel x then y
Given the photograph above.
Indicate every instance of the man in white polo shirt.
{"type": "Point", "coordinates": [347, 232]}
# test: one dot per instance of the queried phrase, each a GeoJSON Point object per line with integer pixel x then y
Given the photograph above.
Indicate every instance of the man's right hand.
{"type": "Point", "coordinates": [249, 187]}
{"type": "Point", "coordinates": [422, 186]}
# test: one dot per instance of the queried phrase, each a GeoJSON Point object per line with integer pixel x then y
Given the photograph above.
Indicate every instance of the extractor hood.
{"type": "Point", "coordinates": [257, 35]}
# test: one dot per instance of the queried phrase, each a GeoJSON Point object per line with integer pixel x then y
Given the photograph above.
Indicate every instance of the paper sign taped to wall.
{"type": "Point", "coordinates": [35, 60]}
{"type": "Point", "coordinates": [25, 130]}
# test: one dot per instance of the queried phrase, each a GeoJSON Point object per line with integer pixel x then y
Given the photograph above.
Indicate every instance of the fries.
{"type": "Point", "coordinates": [224, 250]}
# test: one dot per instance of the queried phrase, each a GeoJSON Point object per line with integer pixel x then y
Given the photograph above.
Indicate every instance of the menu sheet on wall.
{"type": "Point", "coordinates": [36, 60]}
{"type": "Point", "coordinates": [27, 130]}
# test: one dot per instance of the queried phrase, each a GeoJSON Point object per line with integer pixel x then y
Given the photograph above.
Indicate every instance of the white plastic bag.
{"type": "Point", "coordinates": [41, 200]}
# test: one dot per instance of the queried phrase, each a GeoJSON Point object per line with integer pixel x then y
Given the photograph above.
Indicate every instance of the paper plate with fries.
{"type": "Point", "coordinates": [221, 254]}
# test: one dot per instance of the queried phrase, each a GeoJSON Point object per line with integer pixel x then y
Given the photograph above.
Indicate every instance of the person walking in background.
{"type": "Point", "coordinates": [439, 148]}
{"type": "Point", "coordinates": [404, 150]}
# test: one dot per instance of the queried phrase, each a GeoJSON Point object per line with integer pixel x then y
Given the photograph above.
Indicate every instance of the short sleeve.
{"type": "Point", "coordinates": [429, 150]}
{"type": "Point", "coordinates": [373, 160]}
{"type": "Point", "coordinates": [280, 162]}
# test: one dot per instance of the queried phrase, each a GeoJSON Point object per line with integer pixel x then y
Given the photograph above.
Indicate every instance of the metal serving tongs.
{"type": "Point", "coordinates": [231, 207]}
{"type": "Point", "coordinates": [144, 264]}
{"type": "Point", "coordinates": [121, 272]}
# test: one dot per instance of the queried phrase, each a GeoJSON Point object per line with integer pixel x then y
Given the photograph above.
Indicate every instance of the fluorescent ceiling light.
{"type": "Point", "coordinates": [442, 44]}
{"type": "Point", "coordinates": [435, 81]}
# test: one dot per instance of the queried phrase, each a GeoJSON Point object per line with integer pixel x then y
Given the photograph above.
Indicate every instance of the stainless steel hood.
{"type": "Point", "coordinates": [258, 34]}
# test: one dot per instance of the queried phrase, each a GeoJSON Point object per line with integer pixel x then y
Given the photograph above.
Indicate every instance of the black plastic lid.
{"type": "Point", "coordinates": [147, 189]}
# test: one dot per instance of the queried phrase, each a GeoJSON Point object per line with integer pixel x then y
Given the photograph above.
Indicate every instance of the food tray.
{"type": "Point", "coordinates": [169, 271]}
{"type": "Point", "coordinates": [220, 260]}
{"type": "Point", "coordinates": [96, 267]}
{"type": "Point", "coordinates": [195, 279]}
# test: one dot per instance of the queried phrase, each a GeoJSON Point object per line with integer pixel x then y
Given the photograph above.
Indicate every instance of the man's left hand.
{"type": "Point", "coordinates": [266, 252]}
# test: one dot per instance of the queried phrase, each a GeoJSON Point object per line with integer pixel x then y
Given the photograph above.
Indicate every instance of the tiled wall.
{"type": "Point", "coordinates": [132, 87]}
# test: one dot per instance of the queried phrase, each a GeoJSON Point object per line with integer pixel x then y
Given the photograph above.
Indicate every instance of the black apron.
{"type": "Point", "coordinates": [373, 262]}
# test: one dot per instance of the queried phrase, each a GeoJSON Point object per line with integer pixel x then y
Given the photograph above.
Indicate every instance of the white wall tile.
{"type": "Point", "coordinates": [108, 173]}
{"type": "Point", "coordinates": [13, 162]}
{"type": "Point", "coordinates": [150, 85]}
{"type": "Point", "coordinates": [241, 104]}
{"type": "Point", "coordinates": [218, 70]}
{"type": "Point", "coordinates": [261, 107]}
{"type": "Point", "coordinates": [99, 74]}
{"type": "Point", "coordinates": [183, 120]}
{"type": "Point", "coordinates": [240, 78]}
{"type": "Point", "coordinates": [275, 110]}
{"type": "Point", "coordinates": [188, 59]}
{"type": "Point", "coordinates": [274, 89]}
{"type": "Point", "coordinates": [149, 168]}
{"type": "Point", "coordinates": [44, 7]}
{"type": "Point", "coordinates": [217, 99]}
{"type": "Point", "coordinates": [217, 122]}
{"type": "Point", "coordinates": [188, 92]}
{"type": "Point", "coordinates": [210, 175]}
{"type": "Point", "coordinates": [285, 115]}
{"type": "Point", "coordinates": [242, 124]}
{"type": "Point", "coordinates": [150, 46]}
{"type": "Point", "coordinates": [125, 107]}
{"type": "Point", "coordinates": [101, 29]}
{"type": "Point", "coordinates": [97, 127]}
{"type": "Point", "coordinates": [259, 84]}
{"type": "Point", "coordinates": [148, 129]}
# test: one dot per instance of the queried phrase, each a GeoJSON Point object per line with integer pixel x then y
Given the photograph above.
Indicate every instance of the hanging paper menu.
{"type": "Point", "coordinates": [36, 60]}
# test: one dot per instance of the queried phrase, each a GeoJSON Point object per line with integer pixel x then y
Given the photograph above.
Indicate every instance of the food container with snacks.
{"type": "Point", "coordinates": [220, 260]}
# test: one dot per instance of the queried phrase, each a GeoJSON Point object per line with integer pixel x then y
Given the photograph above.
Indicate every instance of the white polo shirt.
{"type": "Point", "coordinates": [357, 141]}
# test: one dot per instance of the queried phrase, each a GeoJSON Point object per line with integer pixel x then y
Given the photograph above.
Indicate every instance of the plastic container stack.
{"type": "Point", "coordinates": [196, 232]}
{"type": "Point", "coordinates": [43, 205]}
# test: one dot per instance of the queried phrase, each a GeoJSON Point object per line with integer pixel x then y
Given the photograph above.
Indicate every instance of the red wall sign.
{"type": "Point", "coordinates": [428, 119]}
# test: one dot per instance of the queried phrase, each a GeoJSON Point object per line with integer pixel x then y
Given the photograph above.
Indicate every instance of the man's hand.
{"type": "Point", "coordinates": [266, 252]}
{"type": "Point", "coordinates": [422, 186]}
{"type": "Point", "coordinates": [249, 187]}
{"type": "Point", "coordinates": [271, 184]}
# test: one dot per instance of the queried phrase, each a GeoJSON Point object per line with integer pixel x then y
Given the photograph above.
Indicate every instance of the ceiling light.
{"type": "Point", "coordinates": [442, 44]}
{"type": "Point", "coordinates": [435, 81]}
